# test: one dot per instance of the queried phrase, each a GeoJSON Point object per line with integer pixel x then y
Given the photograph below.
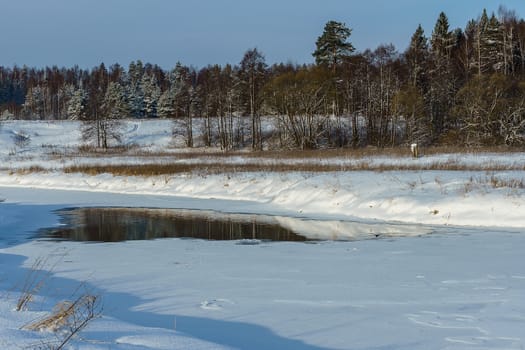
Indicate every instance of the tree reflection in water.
{"type": "Point", "coordinates": [121, 224]}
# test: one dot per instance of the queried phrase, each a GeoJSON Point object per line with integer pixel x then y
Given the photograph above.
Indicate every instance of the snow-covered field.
{"type": "Point", "coordinates": [450, 276]}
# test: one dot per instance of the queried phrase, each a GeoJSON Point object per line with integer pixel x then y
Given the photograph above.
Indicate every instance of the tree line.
{"type": "Point", "coordinates": [456, 86]}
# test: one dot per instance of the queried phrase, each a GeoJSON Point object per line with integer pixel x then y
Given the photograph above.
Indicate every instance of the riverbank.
{"type": "Point", "coordinates": [473, 188]}
{"type": "Point", "coordinates": [469, 198]}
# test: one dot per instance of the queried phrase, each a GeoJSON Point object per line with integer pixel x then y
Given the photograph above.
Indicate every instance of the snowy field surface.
{"type": "Point", "coordinates": [448, 274]}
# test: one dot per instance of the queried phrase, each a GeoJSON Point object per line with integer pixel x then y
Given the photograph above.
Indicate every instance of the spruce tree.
{"type": "Point", "coordinates": [442, 40]}
{"type": "Point", "coordinates": [166, 102]}
{"type": "Point", "coordinates": [493, 45]}
{"type": "Point", "coordinates": [442, 82]}
{"type": "Point", "coordinates": [416, 57]}
{"type": "Point", "coordinates": [76, 106]}
{"type": "Point", "coordinates": [480, 39]}
{"type": "Point", "coordinates": [115, 102]}
{"type": "Point", "coordinates": [151, 94]}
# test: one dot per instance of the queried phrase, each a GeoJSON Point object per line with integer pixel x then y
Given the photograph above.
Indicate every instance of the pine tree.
{"type": "Point", "coordinates": [332, 46]}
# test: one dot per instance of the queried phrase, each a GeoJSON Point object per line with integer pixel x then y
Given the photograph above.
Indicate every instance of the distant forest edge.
{"type": "Point", "coordinates": [462, 87]}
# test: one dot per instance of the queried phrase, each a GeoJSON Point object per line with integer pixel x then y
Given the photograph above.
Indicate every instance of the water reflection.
{"type": "Point", "coordinates": [121, 224]}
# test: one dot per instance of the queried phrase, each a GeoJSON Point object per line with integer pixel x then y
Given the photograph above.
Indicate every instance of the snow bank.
{"type": "Point", "coordinates": [429, 197]}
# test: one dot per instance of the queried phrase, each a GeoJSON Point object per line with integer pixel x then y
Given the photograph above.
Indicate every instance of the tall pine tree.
{"type": "Point", "coordinates": [332, 46]}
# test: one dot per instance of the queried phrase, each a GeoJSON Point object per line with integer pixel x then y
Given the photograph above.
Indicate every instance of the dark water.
{"type": "Point", "coordinates": [121, 224]}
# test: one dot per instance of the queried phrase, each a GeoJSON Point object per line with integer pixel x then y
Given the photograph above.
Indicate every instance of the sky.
{"type": "Point", "coordinates": [40, 33]}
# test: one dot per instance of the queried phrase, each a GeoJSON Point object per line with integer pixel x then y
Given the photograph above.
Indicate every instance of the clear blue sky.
{"type": "Point", "coordinates": [200, 32]}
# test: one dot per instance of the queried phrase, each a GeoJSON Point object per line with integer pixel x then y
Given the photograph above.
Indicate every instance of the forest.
{"type": "Point", "coordinates": [462, 87]}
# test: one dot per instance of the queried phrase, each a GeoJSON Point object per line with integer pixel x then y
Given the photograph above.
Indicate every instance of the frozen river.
{"type": "Point", "coordinates": [416, 287]}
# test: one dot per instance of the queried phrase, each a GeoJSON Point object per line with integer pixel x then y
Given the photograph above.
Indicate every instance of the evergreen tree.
{"type": "Point", "coordinates": [493, 45]}
{"type": "Point", "coordinates": [480, 32]}
{"type": "Point", "coordinates": [151, 94]}
{"type": "Point", "coordinates": [76, 106]}
{"type": "Point", "coordinates": [442, 83]}
{"type": "Point", "coordinates": [166, 103]}
{"type": "Point", "coordinates": [115, 107]}
{"type": "Point", "coordinates": [115, 103]}
{"type": "Point", "coordinates": [332, 46]}
{"type": "Point", "coordinates": [442, 41]}
{"type": "Point", "coordinates": [416, 57]}
{"type": "Point", "coordinates": [35, 102]}
{"type": "Point", "coordinates": [135, 93]}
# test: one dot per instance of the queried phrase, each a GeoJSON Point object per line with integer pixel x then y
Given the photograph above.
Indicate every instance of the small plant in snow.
{"type": "Point", "coordinates": [68, 319]}
{"type": "Point", "coordinates": [21, 139]}
{"type": "Point", "coordinates": [492, 182]}
{"type": "Point", "coordinates": [33, 282]}
{"type": "Point", "coordinates": [439, 182]}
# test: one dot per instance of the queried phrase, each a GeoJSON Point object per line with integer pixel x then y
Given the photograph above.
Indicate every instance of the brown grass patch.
{"type": "Point", "coordinates": [30, 170]}
{"type": "Point", "coordinates": [482, 183]}
{"type": "Point", "coordinates": [218, 168]}
{"type": "Point", "coordinates": [189, 153]}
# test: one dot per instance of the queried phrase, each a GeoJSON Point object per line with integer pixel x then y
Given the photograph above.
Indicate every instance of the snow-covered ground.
{"type": "Point", "coordinates": [456, 281]}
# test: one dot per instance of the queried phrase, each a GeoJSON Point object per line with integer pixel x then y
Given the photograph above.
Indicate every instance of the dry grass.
{"type": "Point", "coordinates": [66, 314]}
{"type": "Point", "coordinates": [483, 183]}
{"type": "Point", "coordinates": [59, 317]}
{"type": "Point", "coordinates": [32, 169]}
{"type": "Point", "coordinates": [67, 319]}
{"type": "Point", "coordinates": [86, 150]}
{"type": "Point", "coordinates": [213, 161]}
{"type": "Point", "coordinates": [498, 182]}
{"type": "Point", "coordinates": [279, 167]}
{"type": "Point", "coordinates": [357, 153]}
{"type": "Point", "coordinates": [395, 152]}
{"type": "Point", "coordinates": [33, 282]}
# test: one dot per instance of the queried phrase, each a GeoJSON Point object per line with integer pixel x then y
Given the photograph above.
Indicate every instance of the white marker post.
{"type": "Point", "coordinates": [414, 148]}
